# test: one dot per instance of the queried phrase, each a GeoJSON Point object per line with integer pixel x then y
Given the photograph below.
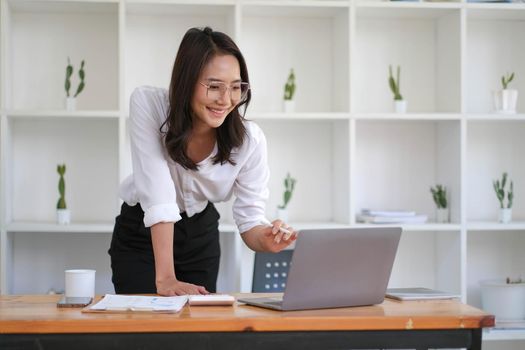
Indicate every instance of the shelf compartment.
{"type": "Point", "coordinates": [438, 261]}
{"type": "Point", "coordinates": [493, 148]}
{"type": "Point", "coordinates": [424, 42]}
{"type": "Point", "coordinates": [398, 161]}
{"type": "Point", "coordinates": [492, 255]}
{"type": "Point", "coordinates": [89, 148]}
{"type": "Point", "coordinates": [153, 32]}
{"type": "Point", "coordinates": [321, 193]}
{"type": "Point", "coordinates": [281, 37]}
{"type": "Point", "coordinates": [46, 255]}
{"type": "Point", "coordinates": [58, 30]}
{"type": "Point", "coordinates": [490, 55]}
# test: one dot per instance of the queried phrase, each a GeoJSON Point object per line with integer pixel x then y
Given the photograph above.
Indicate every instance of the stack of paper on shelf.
{"type": "Point", "coordinates": [390, 217]}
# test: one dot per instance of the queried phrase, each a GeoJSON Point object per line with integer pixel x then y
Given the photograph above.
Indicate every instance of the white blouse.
{"type": "Point", "coordinates": [164, 188]}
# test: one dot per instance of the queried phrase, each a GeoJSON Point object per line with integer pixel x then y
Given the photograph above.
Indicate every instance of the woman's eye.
{"type": "Point", "coordinates": [236, 87]}
{"type": "Point", "coordinates": [214, 87]}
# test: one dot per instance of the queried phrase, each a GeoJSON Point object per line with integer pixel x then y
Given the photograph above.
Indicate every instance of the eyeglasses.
{"type": "Point", "coordinates": [215, 90]}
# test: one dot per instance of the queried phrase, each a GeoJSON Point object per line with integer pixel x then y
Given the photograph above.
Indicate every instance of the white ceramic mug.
{"type": "Point", "coordinates": [80, 283]}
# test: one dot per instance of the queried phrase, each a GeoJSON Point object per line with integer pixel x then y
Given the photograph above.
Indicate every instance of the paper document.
{"type": "Point", "coordinates": [113, 302]}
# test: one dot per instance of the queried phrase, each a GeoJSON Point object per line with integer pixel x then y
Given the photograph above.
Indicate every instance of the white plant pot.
{"type": "Point", "coordinates": [289, 106]}
{"type": "Point", "coordinates": [505, 215]}
{"type": "Point", "coordinates": [442, 215]}
{"type": "Point", "coordinates": [505, 101]}
{"type": "Point", "coordinates": [400, 106]}
{"type": "Point", "coordinates": [71, 103]}
{"type": "Point", "coordinates": [282, 214]}
{"type": "Point", "coordinates": [504, 301]}
{"type": "Point", "coordinates": [63, 216]}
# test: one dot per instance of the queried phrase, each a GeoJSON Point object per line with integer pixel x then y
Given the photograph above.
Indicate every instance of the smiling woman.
{"type": "Point", "coordinates": [191, 147]}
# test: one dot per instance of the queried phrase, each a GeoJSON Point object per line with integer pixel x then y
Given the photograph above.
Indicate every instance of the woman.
{"type": "Point", "coordinates": [191, 147]}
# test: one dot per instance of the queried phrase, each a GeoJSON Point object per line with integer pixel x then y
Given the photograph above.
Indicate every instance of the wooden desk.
{"type": "Point", "coordinates": [34, 322]}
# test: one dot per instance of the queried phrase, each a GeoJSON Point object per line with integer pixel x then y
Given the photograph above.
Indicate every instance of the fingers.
{"type": "Point", "coordinates": [181, 288]}
{"type": "Point", "coordinates": [203, 290]}
{"type": "Point", "coordinates": [192, 289]}
{"type": "Point", "coordinates": [282, 232]}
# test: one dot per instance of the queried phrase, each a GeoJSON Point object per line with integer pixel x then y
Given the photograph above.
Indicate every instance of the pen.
{"type": "Point", "coordinates": [287, 233]}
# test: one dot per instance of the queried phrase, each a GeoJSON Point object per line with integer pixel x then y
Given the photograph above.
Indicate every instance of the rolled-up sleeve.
{"type": "Point", "coordinates": [251, 186]}
{"type": "Point", "coordinates": [155, 189]}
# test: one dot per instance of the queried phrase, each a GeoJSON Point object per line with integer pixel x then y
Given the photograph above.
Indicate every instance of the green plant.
{"type": "Point", "coordinates": [395, 84]}
{"type": "Point", "coordinates": [289, 185]}
{"type": "Point", "coordinates": [505, 80]}
{"type": "Point", "coordinates": [61, 169]}
{"type": "Point", "coordinates": [439, 194]}
{"type": "Point", "coordinates": [499, 188]}
{"type": "Point", "coordinates": [289, 87]}
{"type": "Point", "coordinates": [69, 73]}
{"type": "Point", "coordinates": [82, 75]}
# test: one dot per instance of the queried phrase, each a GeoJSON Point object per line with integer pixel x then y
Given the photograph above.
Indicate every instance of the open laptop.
{"type": "Point", "coordinates": [337, 268]}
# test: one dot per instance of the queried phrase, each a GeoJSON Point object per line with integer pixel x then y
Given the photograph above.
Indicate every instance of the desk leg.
{"type": "Point", "coordinates": [476, 339]}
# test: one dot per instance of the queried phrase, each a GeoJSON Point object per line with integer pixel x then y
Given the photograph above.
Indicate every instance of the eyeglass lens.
{"type": "Point", "coordinates": [238, 91]}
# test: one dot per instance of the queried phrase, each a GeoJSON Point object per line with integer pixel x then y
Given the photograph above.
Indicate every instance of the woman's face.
{"type": "Point", "coordinates": [212, 103]}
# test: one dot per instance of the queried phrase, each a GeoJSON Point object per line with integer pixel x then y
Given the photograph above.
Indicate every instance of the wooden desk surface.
{"type": "Point", "coordinates": [39, 314]}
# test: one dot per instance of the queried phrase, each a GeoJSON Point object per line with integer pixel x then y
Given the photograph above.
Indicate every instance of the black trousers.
{"type": "Point", "coordinates": [196, 251]}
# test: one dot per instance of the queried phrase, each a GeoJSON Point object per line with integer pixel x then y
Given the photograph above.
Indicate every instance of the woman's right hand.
{"type": "Point", "coordinates": [171, 286]}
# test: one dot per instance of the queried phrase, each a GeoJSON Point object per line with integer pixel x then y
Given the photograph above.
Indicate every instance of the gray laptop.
{"type": "Point", "coordinates": [337, 268]}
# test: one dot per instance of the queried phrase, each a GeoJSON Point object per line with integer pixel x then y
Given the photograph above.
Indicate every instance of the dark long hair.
{"type": "Point", "coordinates": [197, 48]}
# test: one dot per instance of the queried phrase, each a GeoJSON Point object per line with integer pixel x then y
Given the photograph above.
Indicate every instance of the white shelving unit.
{"type": "Point", "coordinates": [343, 144]}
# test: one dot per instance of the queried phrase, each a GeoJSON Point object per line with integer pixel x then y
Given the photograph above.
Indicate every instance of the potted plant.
{"type": "Point", "coordinates": [63, 214]}
{"type": "Point", "coordinates": [289, 186]}
{"type": "Point", "coordinates": [439, 194]}
{"type": "Point", "coordinates": [289, 91]}
{"type": "Point", "coordinates": [505, 212]}
{"type": "Point", "coordinates": [504, 298]}
{"type": "Point", "coordinates": [71, 100]}
{"type": "Point", "coordinates": [400, 105]}
{"type": "Point", "coordinates": [505, 100]}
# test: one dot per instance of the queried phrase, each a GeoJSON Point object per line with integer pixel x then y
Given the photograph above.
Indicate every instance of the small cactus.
{"type": "Point", "coordinates": [499, 188]}
{"type": "Point", "coordinates": [439, 194]}
{"type": "Point", "coordinates": [505, 80]}
{"type": "Point", "coordinates": [289, 87]}
{"type": "Point", "coordinates": [289, 185]}
{"type": "Point", "coordinates": [81, 74]}
{"type": "Point", "coordinates": [395, 84]}
{"type": "Point", "coordinates": [69, 73]}
{"type": "Point", "coordinates": [61, 204]}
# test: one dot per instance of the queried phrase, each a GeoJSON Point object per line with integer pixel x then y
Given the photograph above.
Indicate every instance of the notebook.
{"type": "Point", "coordinates": [419, 294]}
{"type": "Point", "coordinates": [337, 268]}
